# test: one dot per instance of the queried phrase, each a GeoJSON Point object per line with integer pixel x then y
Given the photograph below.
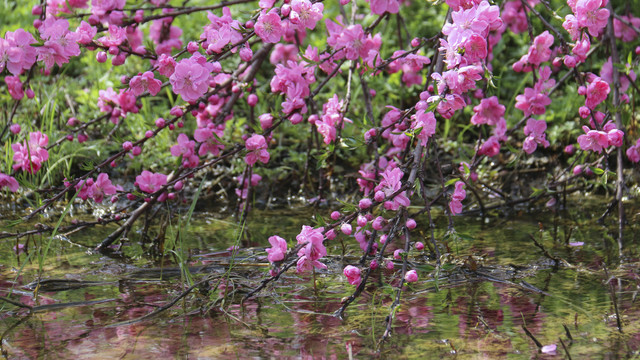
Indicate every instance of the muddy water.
{"type": "Point", "coordinates": [495, 281]}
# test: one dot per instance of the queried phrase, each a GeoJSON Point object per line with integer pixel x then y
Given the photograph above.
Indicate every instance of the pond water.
{"type": "Point", "coordinates": [494, 282]}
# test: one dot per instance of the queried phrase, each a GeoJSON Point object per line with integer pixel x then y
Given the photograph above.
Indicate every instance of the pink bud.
{"type": "Point", "coordinates": [176, 111]}
{"type": "Point", "coordinates": [638, 50]}
{"type": "Point", "coordinates": [285, 10]}
{"type": "Point", "coordinates": [365, 203]}
{"type": "Point", "coordinates": [148, 134]}
{"type": "Point", "coordinates": [419, 246]}
{"type": "Point", "coordinates": [160, 122]}
{"type": "Point", "coordinates": [82, 138]}
{"type": "Point", "coordinates": [415, 42]}
{"type": "Point", "coordinates": [378, 223]}
{"type": "Point", "coordinates": [192, 47]}
{"type": "Point", "coordinates": [31, 94]}
{"type": "Point", "coordinates": [127, 145]}
{"type": "Point", "coordinates": [115, 17]}
{"type": "Point", "coordinates": [398, 254]}
{"type": "Point", "coordinates": [171, 196]}
{"type": "Point", "coordinates": [162, 197]}
{"type": "Point", "coordinates": [411, 276]}
{"type": "Point", "coordinates": [569, 149]}
{"type": "Point", "coordinates": [372, 92]}
{"type": "Point", "coordinates": [570, 61]}
{"type": "Point", "coordinates": [383, 238]}
{"type": "Point", "coordinates": [389, 265]}
{"type": "Point", "coordinates": [296, 118]}
{"type": "Point", "coordinates": [582, 90]}
{"type": "Point", "coordinates": [113, 50]}
{"type": "Point", "coordinates": [131, 197]}
{"type": "Point", "coordinates": [36, 10]}
{"type": "Point", "coordinates": [362, 221]}
{"type": "Point", "coordinates": [93, 20]}
{"type": "Point", "coordinates": [113, 164]}
{"type": "Point", "coordinates": [312, 119]}
{"type": "Point", "coordinates": [335, 215]}
{"type": "Point", "coordinates": [246, 54]}
{"type": "Point", "coordinates": [101, 56]}
{"type": "Point", "coordinates": [136, 151]}
{"type": "Point", "coordinates": [69, 137]}
{"type": "Point", "coordinates": [379, 196]}
{"type": "Point", "coordinates": [249, 24]}
{"type": "Point", "coordinates": [330, 235]}
{"type": "Point", "coordinates": [577, 170]}
{"type": "Point", "coordinates": [370, 134]}
{"type": "Point", "coordinates": [344, 2]}
{"type": "Point", "coordinates": [15, 128]}
{"type": "Point", "coordinates": [139, 16]}
{"type": "Point", "coordinates": [119, 59]}
{"type": "Point", "coordinates": [346, 229]}
{"type": "Point", "coordinates": [172, 126]}
{"type": "Point", "coordinates": [180, 124]}
{"type": "Point", "coordinates": [252, 100]}
{"type": "Point", "coordinates": [411, 224]}
{"type": "Point", "coordinates": [374, 264]}
{"type": "Point", "coordinates": [37, 23]}
{"type": "Point", "coordinates": [266, 120]}
{"type": "Point", "coordinates": [517, 66]}
{"type": "Point", "coordinates": [551, 203]}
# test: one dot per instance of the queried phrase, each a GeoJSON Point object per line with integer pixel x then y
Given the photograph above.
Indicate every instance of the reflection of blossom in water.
{"type": "Point", "coordinates": [522, 305]}
{"type": "Point", "coordinates": [413, 317]}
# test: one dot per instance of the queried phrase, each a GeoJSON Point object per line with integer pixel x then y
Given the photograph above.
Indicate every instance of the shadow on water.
{"type": "Point", "coordinates": [494, 283]}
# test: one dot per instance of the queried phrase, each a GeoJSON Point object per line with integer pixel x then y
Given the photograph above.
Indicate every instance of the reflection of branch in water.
{"type": "Point", "coordinates": [9, 331]}
{"type": "Point", "coordinates": [165, 307]}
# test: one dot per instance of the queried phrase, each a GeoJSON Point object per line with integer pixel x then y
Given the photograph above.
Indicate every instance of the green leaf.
{"type": "Point", "coordinates": [451, 182]}
{"type": "Point", "coordinates": [537, 192]}
{"type": "Point", "coordinates": [596, 170]}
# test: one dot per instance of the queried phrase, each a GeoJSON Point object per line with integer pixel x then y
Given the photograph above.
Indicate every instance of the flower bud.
{"type": "Point", "coordinates": [411, 276]}
{"type": "Point", "coordinates": [252, 100]}
{"type": "Point", "coordinates": [346, 229]}
{"type": "Point", "coordinates": [192, 47]}
{"type": "Point", "coordinates": [365, 203]}
{"type": "Point", "coordinates": [296, 118]}
{"type": "Point", "coordinates": [139, 16]}
{"type": "Point", "coordinates": [15, 128]}
{"type": "Point", "coordinates": [246, 54]}
{"type": "Point", "coordinates": [101, 56]}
